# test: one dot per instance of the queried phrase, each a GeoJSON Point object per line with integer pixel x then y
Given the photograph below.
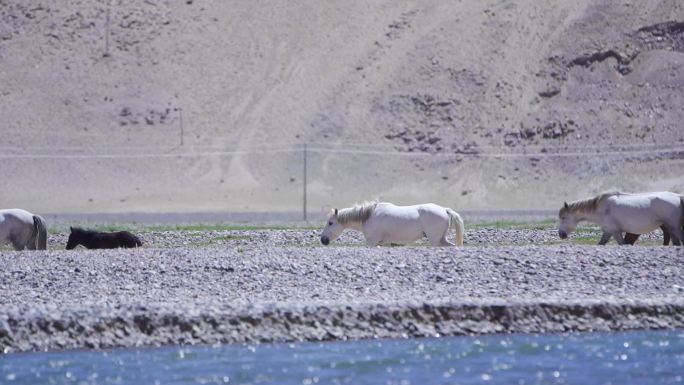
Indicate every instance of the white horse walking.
{"type": "Point", "coordinates": [22, 229]}
{"type": "Point", "coordinates": [383, 223]}
{"type": "Point", "coordinates": [617, 212]}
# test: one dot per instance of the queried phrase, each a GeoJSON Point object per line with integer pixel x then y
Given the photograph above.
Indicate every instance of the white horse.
{"type": "Point", "coordinates": [383, 223]}
{"type": "Point", "coordinates": [618, 212]}
{"type": "Point", "coordinates": [22, 229]}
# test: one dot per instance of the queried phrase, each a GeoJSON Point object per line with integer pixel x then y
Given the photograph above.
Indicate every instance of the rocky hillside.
{"type": "Point", "coordinates": [166, 105]}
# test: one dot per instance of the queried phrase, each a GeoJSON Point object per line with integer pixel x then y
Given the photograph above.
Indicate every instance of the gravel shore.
{"type": "Point", "coordinates": [279, 285]}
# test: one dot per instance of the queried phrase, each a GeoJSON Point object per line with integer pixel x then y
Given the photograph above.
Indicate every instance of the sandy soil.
{"type": "Point", "coordinates": [250, 286]}
{"type": "Point", "coordinates": [463, 103]}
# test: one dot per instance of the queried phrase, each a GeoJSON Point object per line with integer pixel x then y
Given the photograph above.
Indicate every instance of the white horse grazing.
{"type": "Point", "coordinates": [383, 223]}
{"type": "Point", "coordinates": [618, 212]}
{"type": "Point", "coordinates": [22, 229]}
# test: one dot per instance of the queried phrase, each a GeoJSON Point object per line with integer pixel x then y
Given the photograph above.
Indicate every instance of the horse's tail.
{"type": "Point", "coordinates": [457, 222]}
{"type": "Point", "coordinates": [39, 232]}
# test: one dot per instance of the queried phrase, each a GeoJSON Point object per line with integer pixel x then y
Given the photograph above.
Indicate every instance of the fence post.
{"type": "Point", "coordinates": [304, 186]}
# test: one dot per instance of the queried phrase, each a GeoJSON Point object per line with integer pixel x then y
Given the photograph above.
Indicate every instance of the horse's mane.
{"type": "Point", "coordinates": [357, 213]}
{"type": "Point", "coordinates": [588, 205]}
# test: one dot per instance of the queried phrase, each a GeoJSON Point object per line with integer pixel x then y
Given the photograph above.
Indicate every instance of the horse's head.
{"type": "Point", "coordinates": [74, 238]}
{"type": "Point", "coordinates": [332, 229]}
{"type": "Point", "coordinates": [568, 221]}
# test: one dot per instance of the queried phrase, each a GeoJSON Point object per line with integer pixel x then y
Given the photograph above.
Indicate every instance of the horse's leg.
{"type": "Point", "coordinates": [666, 235]}
{"type": "Point", "coordinates": [604, 238]}
{"type": "Point", "coordinates": [437, 234]}
{"type": "Point", "coordinates": [630, 238]}
{"type": "Point", "coordinates": [31, 240]}
{"type": "Point", "coordinates": [674, 227]}
{"type": "Point", "coordinates": [446, 242]}
{"type": "Point", "coordinates": [442, 240]}
{"type": "Point", "coordinates": [17, 243]}
{"type": "Point", "coordinates": [21, 239]}
{"type": "Point", "coordinates": [675, 234]}
{"type": "Point", "coordinates": [618, 237]}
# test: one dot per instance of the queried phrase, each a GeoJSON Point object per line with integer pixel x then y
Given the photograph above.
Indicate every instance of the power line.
{"type": "Point", "coordinates": [139, 156]}
{"type": "Point", "coordinates": [333, 145]}
{"type": "Point", "coordinates": [320, 150]}
{"type": "Point", "coordinates": [503, 154]}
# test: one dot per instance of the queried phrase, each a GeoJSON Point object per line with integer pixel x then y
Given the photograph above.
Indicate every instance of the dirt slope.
{"type": "Point", "coordinates": [204, 105]}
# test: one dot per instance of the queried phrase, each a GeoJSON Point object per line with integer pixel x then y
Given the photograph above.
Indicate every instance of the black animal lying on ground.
{"type": "Point", "coordinates": [96, 240]}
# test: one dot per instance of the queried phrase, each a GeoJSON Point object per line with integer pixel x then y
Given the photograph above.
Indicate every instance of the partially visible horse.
{"type": "Point", "coordinates": [91, 239]}
{"type": "Point", "coordinates": [617, 212]}
{"type": "Point", "coordinates": [383, 223]}
{"type": "Point", "coordinates": [23, 230]}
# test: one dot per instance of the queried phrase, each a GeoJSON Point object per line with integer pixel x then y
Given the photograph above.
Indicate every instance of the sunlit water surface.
{"type": "Point", "coordinates": [589, 358]}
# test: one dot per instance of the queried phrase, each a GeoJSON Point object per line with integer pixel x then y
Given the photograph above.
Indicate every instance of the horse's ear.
{"type": "Point", "coordinates": [71, 229]}
{"type": "Point", "coordinates": [335, 212]}
{"type": "Point", "coordinates": [565, 204]}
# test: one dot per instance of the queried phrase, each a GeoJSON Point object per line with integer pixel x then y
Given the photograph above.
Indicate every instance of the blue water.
{"type": "Point", "coordinates": [590, 358]}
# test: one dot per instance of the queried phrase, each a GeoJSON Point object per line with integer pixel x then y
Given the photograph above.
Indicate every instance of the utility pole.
{"type": "Point", "coordinates": [180, 116]}
{"type": "Point", "coordinates": [304, 183]}
{"type": "Point", "coordinates": [106, 54]}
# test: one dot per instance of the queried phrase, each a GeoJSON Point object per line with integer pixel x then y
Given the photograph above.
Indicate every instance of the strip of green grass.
{"type": "Point", "coordinates": [143, 228]}
{"type": "Point", "coordinates": [515, 225]}
{"type": "Point", "coordinates": [231, 238]}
